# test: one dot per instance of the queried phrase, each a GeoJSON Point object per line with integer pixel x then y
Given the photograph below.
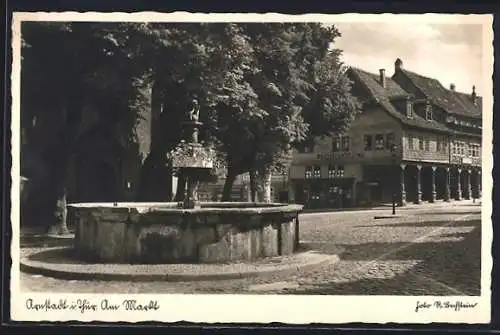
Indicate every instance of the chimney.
{"type": "Point", "coordinates": [382, 77]}
{"type": "Point", "coordinates": [452, 87]}
{"type": "Point", "coordinates": [473, 95]}
{"type": "Point", "coordinates": [398, 64]}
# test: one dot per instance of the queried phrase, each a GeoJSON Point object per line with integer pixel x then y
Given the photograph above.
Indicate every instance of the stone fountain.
{"type": "Point", "coordinates": [186, 232]}
{"type": "Point", "coordinates": [191, 158]}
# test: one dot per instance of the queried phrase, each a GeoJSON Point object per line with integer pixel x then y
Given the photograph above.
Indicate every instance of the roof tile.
{"type": "Point", "coordinates": [451, 101]}
{"type": "Point", "coordinates": [392, 90]}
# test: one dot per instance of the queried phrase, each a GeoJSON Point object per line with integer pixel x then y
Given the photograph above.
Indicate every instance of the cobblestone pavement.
{"type": "Point", "coordinates": [434, 249]}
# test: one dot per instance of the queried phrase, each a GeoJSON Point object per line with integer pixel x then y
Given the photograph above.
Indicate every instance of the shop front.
{"type": "Point", "coordinates": [324, 193]}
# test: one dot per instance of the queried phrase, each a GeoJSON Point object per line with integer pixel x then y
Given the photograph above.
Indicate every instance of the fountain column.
{"type": "Point", "coordinates": [191, 158]}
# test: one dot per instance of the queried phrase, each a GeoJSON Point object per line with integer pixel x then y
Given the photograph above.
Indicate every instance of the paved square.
{"type": "Point", "coordinates": [432, 249]}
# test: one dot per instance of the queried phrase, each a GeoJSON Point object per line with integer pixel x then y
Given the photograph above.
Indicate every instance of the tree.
{"type": "Point", "coordinates": [67, 67]}
{"type": "Point", "coordinates": [263, 89]}
{"type": "Point", "coordinates": [294, 97]}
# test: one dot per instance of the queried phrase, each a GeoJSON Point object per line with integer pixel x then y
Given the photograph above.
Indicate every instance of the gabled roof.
{"type": "Point", "coordinates": [452, 102]}
{"type": "Point", "coordinates": [371, 82]}
{"type": "Point", "coordinates": [392, 90]}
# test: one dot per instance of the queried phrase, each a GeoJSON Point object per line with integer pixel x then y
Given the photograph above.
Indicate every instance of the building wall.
{"type": "Point", "coordinates": [426, 154]}
{"type": "Point", "coordinates": [372, 121]}
{"type": "Point", "coordinates": [466, 157]}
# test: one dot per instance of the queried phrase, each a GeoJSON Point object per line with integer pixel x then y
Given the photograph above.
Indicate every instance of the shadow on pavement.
{"type": "Point", "coordinates": [469, 212]}
{"type": "Point", "coordinates": [446, 268]}
{"type": "Point", "coordinates": [437, 223]}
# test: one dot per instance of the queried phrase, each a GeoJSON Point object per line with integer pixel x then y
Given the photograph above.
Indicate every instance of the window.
{"type": "Point", "coordinates": [316, 171]}
{"type": "Point", "coordinates": [335, 171]}
{"type": "Point", "coordinates": [368, 142]}
{"type": "Point", "coordinates": [409, 109]}
{"type": "Point", "coordinates": [410, 142]}
{"type": "Point", "coordinates": [331, 171]}
{"type": "Point", "coordinates": [428, 111]}
{"type": "Point", "coordinates": [420, 143]}
{"type": "Point", "coordinates": [345, 143]}
{"type": "Point", "coordinates": [308, 172]}
{"type": "Point", "coordinates": [336, 144]}
{"type": "Point", "coordinates": [475, 150]}
{"type": "Point", "coordinates": [427, 144]}
{"type": "Point", "coordinates": [389, 141]}
{"type": "Point", "coordinates": [340, 143]}
{"type": "Point", "coordinates": [444, 145]}
{"type": "Point", "coordinates": [441, 144]}
{"type": "Point", "coordinates": [340, 171]}
{"type": "Point", "coordinates": [459, 148]}
{"type": "Point", "coordinates": [379, 142]}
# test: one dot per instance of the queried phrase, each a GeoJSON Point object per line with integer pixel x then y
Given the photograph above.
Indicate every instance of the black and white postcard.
{"type": "Point", "coordinates": [251, 167]}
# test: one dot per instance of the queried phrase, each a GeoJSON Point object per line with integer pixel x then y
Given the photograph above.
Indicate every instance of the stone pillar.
{"type": "Point", "coordinates": [468, 187]}
{"type": "Point", "coordinates": [459, 185]}
{"type": "Point", "coordinates": [418, 198]}
{"type": "Point", "coordinates": [402, 199]}
{"type": "Point", "coordinates": [433, 184]}
{"type": "Point", "coordinates": [479, 183]}
{"type": "Point", "coordinates": [447, 185]}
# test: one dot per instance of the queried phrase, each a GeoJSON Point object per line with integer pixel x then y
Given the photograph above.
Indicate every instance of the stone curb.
{"type": "Point", "coordinates": [41, 268]}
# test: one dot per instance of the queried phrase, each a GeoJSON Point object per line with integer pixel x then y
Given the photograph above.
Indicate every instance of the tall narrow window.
{"type": "Point", "coordinates": [379, 142]}
{"type": "Point", "coordinates": [420, 143]}
{"type": "Point", "coordinates": [308, 173]}
{"type": "Point", "coordinates": [438, 144]}
{"type": "Point", "coordinates": [428, 111]}
{"type": "Point", "coordinates": [410, 142]}
{"type": "Point", "coordinates": [475, 150]}
{"type": "Point", "coordinates": [368, 142]}
{"type": "Point", "coordinates": [317, 171]}
{"type": "Point", "coordinates": [427, 144]}
{"type": "Point", "coordinates": [444, 145]}
{"type": "Point", "coordinates": [345, 143]}
{"type": "Point", "coordinates": [340, 171]}
{"type": "Point", "coordinates": [409, 109]}
{"type": "Point", "coordinates": [332, 171]}
{"type": "Point", "coordinates": [336, 144]}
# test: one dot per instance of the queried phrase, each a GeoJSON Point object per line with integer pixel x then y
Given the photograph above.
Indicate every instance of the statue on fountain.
{"type": "Point", "coordinates": [190, 157]}
{"type": "Point", "coordinates": [194, 113]}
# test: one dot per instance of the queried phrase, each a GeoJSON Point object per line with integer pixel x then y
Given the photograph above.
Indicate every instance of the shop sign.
{"type": "Point", "coordinates": [338, 155]}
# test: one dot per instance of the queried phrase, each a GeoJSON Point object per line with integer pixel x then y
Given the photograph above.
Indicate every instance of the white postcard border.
{"type": "Point", "coordinates": [260, 308]}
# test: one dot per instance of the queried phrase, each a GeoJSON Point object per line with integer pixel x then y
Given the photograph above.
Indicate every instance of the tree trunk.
{"type": "Point", "coordinates": [62, 226]}
{"type": "Point", "coordinates": [253, 185]}
{"type": "Point", "coordinates": [265, 187]}
{"type": "Point", "coordinates": [155, 180]}
{"type": "Point", "coordinates": [228, 184]}
{"type": "Point", "coordinates": [60, 159]}
{"type": "Point", "coordinates": [58, 224]}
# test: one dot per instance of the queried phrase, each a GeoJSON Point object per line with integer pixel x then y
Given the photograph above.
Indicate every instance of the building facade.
{"type": "Point", "coordinates": [414, 140]}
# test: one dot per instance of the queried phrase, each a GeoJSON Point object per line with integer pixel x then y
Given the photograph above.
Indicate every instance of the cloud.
{"type": "Point", "coordinates": [450, 53]}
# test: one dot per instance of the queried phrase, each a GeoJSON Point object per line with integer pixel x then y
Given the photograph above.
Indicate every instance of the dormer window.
{"type": "Point", "coordinates": [409, 109]}
{"type": "Point", "coordinates": [428, 111]}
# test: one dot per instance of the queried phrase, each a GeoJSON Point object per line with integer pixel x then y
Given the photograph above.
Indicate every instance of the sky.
{"type": "Point", "coordinates": [451, 53]}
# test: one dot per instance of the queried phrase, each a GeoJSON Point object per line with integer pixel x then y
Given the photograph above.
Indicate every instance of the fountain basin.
{"type": "Point", "coordinates": [217, 232]}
